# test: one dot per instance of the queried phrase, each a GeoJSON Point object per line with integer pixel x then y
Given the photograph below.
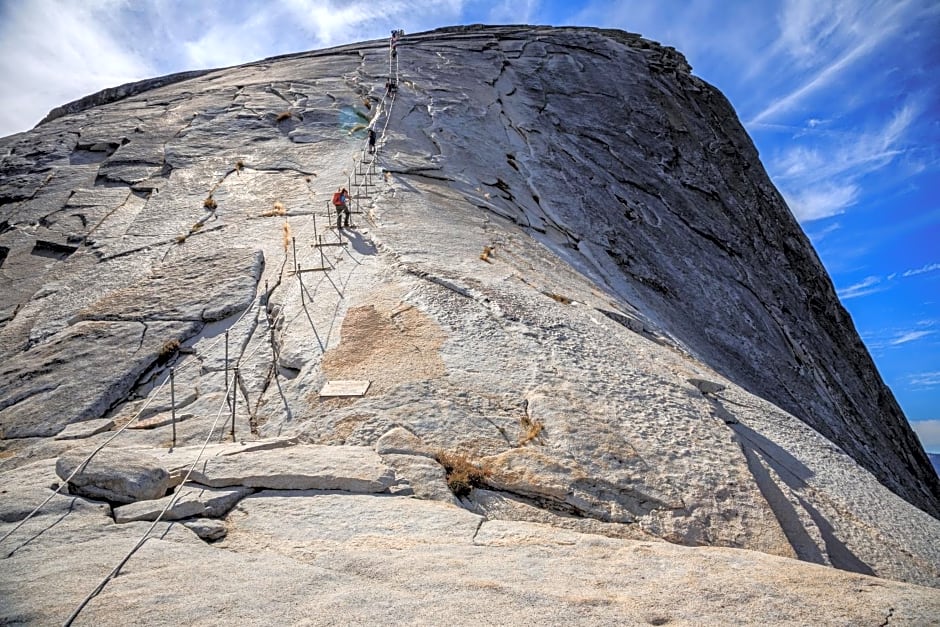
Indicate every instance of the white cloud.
{"type": "Point", "coordinates": [930, 267]}
{"type": "Point", "coordinates": [52, 52]}
{"type": "Point", "coordinates": [869, 285]}
{"type": "Point", "coordinates": [822, 201]}
{"type": "Point", "coordinates": [910, 336]}
{"type": "Point", "coordinates": [928, 431]}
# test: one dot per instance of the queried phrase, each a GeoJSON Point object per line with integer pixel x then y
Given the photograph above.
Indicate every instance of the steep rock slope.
{"type": "Point", "coordinates": [586, 285]}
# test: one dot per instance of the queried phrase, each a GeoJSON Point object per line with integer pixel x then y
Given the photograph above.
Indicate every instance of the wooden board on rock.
{"type": "Point", "coordinates": [344, 388]}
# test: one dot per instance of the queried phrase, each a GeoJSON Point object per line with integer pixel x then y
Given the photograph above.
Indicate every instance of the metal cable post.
{"type": "Point", "coordinates": [234, 399]}
{"type": "Point", "coordinates": [173, 403]}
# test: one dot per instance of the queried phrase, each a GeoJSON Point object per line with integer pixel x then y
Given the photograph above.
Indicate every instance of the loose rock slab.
{"type": "Point", "coordinates": [115, 475]}
{"type": "Point", "coordinates": [85, 429]}
{"type": "Point", "coordinates": [194, 501]}
{"type": "Point", "coordinates": [302, 467]}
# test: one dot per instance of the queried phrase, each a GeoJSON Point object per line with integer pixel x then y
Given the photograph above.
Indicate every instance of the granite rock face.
{"type": "Point", "coordinates": [589, 324]}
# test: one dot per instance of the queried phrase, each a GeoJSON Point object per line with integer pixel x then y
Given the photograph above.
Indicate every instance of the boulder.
{"type": "Point", "coordinates": [425, 476]}
{"type": "Point", "coordinates": [401, 441]}
{"type": "Point", "coordinates": [114, 475]}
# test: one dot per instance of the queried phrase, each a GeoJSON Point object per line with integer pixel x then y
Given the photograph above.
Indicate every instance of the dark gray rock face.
{"type": "Point", "coordinates": [570, 278]}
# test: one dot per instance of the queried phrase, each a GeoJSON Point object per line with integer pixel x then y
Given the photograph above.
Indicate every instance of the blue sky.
{"type": "Point", "coordinates": [841, 97]}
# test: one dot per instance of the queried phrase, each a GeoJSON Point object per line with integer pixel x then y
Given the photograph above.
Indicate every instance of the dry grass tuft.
{"type": "Point", "coordinates": [531, 429]}
{"type": "Point", "coordinates": [181, 238]}
{"type": "Point", "coordinates": [278, 210]}
{"type": "Point", "coordinates": [210, 203]}
{"type": "Point", "coordinates": [485, 255]}
{"type": "Point", "coordinates": [283, 115]}
{"type": "Point", "coordinates": [564, 300]}
{"type": "Point", "coordinates": [167, 351]}
{"type": "Point", "coordinates": [287, 235]}
{"type": "Point", "coordinates": [462, 474]}
{"type": "Point", "coordinates": [367, 104]}
{"type": "Point", "coordinates": [195, 227]}
{"type": "Point", "coordinates": [239, 165]}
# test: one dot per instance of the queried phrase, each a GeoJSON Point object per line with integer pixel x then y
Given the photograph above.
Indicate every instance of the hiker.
{"type": "Point", "coordinates": [341, 202]}
{"type": "Point", "coordinates": [371, 141]}
{"type": "Point", "coordinates": [390, 87]}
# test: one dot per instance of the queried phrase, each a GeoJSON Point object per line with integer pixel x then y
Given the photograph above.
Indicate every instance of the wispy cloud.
{"type": "Point", "coordinates": [930, 267]}
{"type": "Point", "coordinates": [823, 201]}
{"type": "Point", "coordinates": [910, 336]}
{"type": "Point", "coordinates": [830, 36]}
{"type": "Point", "coordinates": [823, 180]}
{"type": "Point", "coordinates": [869, 285]}
{"type": "Point", "coordinates": [821, 234]}
{"type": "Point", "coordinates": [925, 379]}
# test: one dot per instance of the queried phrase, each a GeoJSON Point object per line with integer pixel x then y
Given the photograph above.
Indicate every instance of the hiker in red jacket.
{"type": "Point", "coordinates": [341, 202]}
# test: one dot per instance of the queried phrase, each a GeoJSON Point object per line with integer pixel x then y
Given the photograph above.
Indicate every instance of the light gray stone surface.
{"type": "Point", "coordinates": [114, 475]}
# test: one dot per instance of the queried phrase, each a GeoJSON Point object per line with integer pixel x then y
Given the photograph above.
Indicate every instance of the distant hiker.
{"type": "Point", "coordinates": [371, 141]}
{"type": "Point", "coordinates": [390, 87]}
{"type": "Point", "coordinates": [341, 202]}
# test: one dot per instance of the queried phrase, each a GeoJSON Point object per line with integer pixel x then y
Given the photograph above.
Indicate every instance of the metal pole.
{"type": "Point", "coordinates": [226, 355]}
{"type": "Point", "coordinates": [329, 212]}
{"type": "Point", "coordinates": [234, 398]}
{"type": "Point", "coordinates": [300, 279]}
{"type": "Point", "coordinates": [294, 244]}
{"type": "Point", "coordinates": [274, 351]}
{"type": "Point", "coordinates": [173, 403]}
{"type": "Point", "coordinates": [322, 260]}
{"type": "Point", "coordinates": [314, 222]}
{"type": "Point", "coordinates": [267, 296]}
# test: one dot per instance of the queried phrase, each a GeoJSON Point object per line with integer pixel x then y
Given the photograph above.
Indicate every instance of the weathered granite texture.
{"type": "Point", "coordinates": [582, 293]}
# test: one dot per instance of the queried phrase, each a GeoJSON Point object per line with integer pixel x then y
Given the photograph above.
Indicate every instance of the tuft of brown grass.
{"type": "Point", "coordinates": [530, 430]}
{"type": "Point", "coordinates": [462, 474]}
{"type": "Point", "coordinates": [564, 300]}
{"type": "Point", "coordinates": [167, 351]}
{"type": "Point", "coordinates": [277, 210]}
{"type": "Point", "coordinates": [195, 227]}
{"type": "Point", "coordinates": [287, 235]}
{"type": "Point", "coordinates": [283, 115]}
{"type": "Point", "coordinates": [181, 238]}
{"type": "Point", "coordinates": [485, 255]}
{"type": "Point", "coordinates": [239, 165]}
{"type": "Point", "coordinates": [210, 203]}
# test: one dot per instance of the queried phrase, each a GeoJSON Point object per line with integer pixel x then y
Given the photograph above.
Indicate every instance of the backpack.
{"type": "Point", "coordinates": [337, 198]}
